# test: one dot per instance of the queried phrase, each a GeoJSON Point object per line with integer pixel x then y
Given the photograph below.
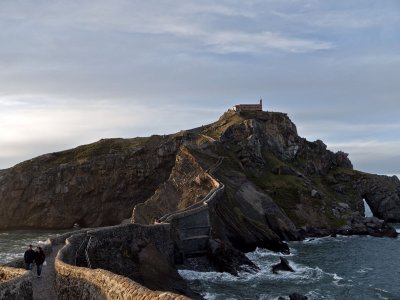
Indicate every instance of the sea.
{"type": "Point", "coordinates": [14, 243]}
{"type": "Point", "coordinates": [342, 267]}
{"type": "Point", "coordinates": [355, 267]}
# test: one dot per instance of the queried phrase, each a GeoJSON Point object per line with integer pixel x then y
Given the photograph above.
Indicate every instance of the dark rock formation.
{"type": "Point", "coordinates": [373, 226]}
{"type": "Point", "coordinates": [294, 296]}
{"type": "Point", "coordinates": [382, 194]}
{"type": "Point", "coordinates": [282, 266]}
{"type": "Point", "coordinates": [225, 258]}
{"type": "Point", "coordinates": [297, 296]}
{"type": "Point", "coordinates": [251, 219]}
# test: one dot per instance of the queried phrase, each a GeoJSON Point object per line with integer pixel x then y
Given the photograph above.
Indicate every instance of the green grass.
{"type": "Point", "coordinates": [102, 147]}
{"type": "Point", "coordinates": [228, 119]}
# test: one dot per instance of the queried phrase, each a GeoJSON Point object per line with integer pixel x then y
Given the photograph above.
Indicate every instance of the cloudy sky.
{"type": "Point", "coordinates": [72, 72]}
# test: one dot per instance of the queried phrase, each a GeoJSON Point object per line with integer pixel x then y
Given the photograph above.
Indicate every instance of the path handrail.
{"type": "Point", "coordinates": [87, 254]}
{"type": "Point", "coordinates": [79, 248]}
{"type": "Point", "coordinates": [201, 205]}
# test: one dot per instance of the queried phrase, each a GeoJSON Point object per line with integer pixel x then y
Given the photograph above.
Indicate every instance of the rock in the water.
{"type": "Point", "coordinates": [373, 226]}
{"type": "Point", "coordinates": [297, 296]}
{"type": "Point", "coordinates": [225, 258]}
{"type": "Point", "coordinates": [316, 194]}
{"type": "Point", "coordinates": [282, 266]}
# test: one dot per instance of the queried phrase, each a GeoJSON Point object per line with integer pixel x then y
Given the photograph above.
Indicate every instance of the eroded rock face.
{"type": "Point", "coordinates": [92, 185]}
{"type": "Point", "coordinates": [382, 194]}
{"type": "Point", "coordinates": [267, 131]}
{"type": "Point", "coordinates": [252, 219]}
{"type": "Point", "coordinates": [187, 184]}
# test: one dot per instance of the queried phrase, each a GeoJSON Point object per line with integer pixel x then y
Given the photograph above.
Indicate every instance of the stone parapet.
{"type": "Point", "coordinates": [74, 282]}
{"type": "Point", "coordinates": [15, 284]}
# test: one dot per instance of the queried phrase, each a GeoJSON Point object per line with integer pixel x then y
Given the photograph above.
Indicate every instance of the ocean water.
{"type": "Point", "coordinates": [14, 243]}
{"type": "Point", "coordinates": [356, 267]}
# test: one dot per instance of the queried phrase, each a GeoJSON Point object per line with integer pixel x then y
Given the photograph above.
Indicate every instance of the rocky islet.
{"type": "Point", "coordinates": [278, 186]}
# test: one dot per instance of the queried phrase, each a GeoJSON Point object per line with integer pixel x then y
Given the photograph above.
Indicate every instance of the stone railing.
{"type": "Point", "coordinates": [208, 200]}
{"type": "Point", "coordinates": [192, 224]}
{"type": "Point", "coordinates": [15, 284]}
{"type": "Point", "coordinates": [73, 282]}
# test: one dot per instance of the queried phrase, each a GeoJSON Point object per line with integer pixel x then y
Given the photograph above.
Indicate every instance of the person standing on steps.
{"type": "Point", "coordinates": [39, 260]}
{"type": "Point", "coordinates": [29, 257]}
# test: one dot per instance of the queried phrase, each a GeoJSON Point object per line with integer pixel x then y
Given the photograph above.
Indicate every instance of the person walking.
{"type": "Point", "coordinates": [39, 260]}
{"type": "Point", "coordinates": [29, 257]}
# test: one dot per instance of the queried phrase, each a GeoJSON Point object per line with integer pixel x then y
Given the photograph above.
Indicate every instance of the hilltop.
{"type": "Point", "coordinates": [278, 185]}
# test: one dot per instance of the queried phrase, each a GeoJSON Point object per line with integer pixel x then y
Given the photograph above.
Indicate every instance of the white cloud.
{"type": "Point", "coordinates": [373, 156]}
{"type": "Point", "coordinates": [344, 130]}
{"type": "Point", "coordinates": [343, 16]}
{"type": "Point", "coordinates": [243, 42]}
{"type": "Point", "coordinates": [37, 125]}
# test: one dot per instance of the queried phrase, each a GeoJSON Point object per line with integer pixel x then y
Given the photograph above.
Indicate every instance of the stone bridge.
{"type": "Point", "coordinates": [81, 272]}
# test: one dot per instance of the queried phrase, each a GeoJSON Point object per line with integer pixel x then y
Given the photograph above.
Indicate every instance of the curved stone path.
{"type": "Point", "coordinates": [43, 287]}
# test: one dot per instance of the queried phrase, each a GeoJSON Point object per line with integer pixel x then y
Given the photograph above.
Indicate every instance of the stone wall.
{"type": "Point", "coordinates": [15, 284]}
{"type": "Point", "coordinates": [74, 282]}
{"type": "Point", "coordinates": [133, 234]}
{"type": "Point", "coordinates": [193, 226]}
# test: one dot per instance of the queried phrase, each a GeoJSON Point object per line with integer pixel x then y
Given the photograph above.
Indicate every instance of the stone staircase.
{"type": "Point", "coordinates": [193, 224]}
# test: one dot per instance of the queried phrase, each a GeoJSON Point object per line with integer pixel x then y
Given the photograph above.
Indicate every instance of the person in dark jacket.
{"type": "Point", "coordinates": [39, 260]}
{"type": "Point", "coordinates": [29, 257]}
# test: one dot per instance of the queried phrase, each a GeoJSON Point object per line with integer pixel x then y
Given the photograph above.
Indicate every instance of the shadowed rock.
{"type": "Point", "coordinates": [225, 258]}
{"type": "Point", "coordinates": [373, 226]}
{"type": "Point", "coordinates": [282, 266]}
{"type": "Point", "coordinates": [297, 296]}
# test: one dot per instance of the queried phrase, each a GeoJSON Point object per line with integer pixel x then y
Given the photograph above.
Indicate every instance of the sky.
{"type": "Point", "coordinates": [73, 72]}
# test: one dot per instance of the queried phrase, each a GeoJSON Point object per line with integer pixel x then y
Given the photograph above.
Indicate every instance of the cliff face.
{"type": "Point", "coordinates": [187, 184]}
{"type": "Point", "coordinates": [92, 185]}
{"type": "Point", "coordinates": [277, 184]}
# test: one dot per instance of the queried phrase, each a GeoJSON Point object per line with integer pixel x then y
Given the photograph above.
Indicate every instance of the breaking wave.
{"type": "Point", "coordinates": [325, 268]}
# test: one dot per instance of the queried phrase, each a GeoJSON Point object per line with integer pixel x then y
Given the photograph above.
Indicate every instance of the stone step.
{"type": "Point", "coordinates": [196, 237]}
{"type": "Point", "coordinates": [188, 233]}
{"type": "Point", "coordinates": [195, 253]}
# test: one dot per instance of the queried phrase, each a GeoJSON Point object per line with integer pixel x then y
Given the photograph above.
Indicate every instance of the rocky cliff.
{"type": "Point", "coordinates": [187, 184]}
{"type": "Point", "coordinates": [92, 185]}
{"type": "Point", "coordinates": [278, 186]}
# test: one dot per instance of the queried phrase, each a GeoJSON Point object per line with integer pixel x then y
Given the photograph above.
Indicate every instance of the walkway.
{"type": "Point", "coordinates": [43, 287]}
